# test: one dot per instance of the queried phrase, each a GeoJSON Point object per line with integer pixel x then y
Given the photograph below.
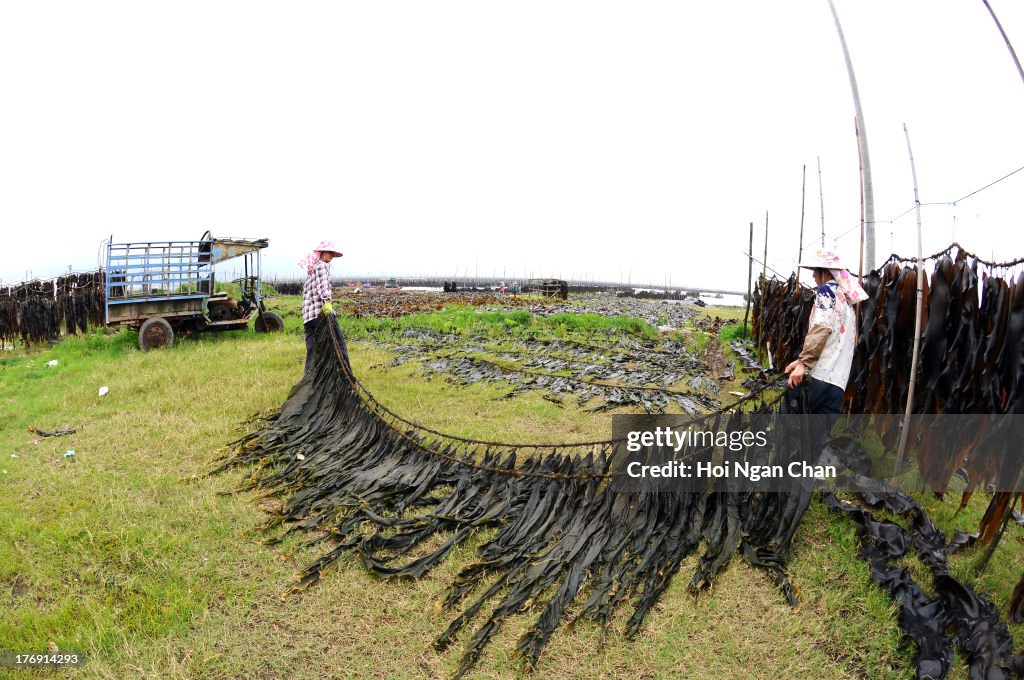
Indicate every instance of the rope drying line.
{"type": "Point", "coordinates": [945, 251]}
{"type": "Point", "coordinates": [371, 401]}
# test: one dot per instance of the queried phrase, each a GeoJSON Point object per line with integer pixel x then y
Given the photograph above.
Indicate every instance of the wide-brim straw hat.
{"type": "Point", "coordinates": [823, 259]}
{"type": "Point", "coordinates": [328, 247]}
{"type": "Point", "coordinates": [827, 259]}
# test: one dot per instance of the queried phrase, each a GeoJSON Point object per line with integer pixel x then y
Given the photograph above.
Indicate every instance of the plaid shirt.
{"type": "Point", "coordinates": [315, 292]}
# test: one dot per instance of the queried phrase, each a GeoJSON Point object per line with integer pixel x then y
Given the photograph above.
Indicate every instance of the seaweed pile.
{"type": "Point", "coordinates": [401, 496]}
{"type": "Point", "coordinates": [36, 310]}
{"type": "Point", "coordinates": [394, 304]}
{"type": "Point", "coordinates": [360, 478]}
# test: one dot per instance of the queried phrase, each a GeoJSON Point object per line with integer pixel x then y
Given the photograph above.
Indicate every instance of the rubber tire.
{"type": "Point", "coordinates": [268, 322]}
{"type": "Point", "coordinates": [154, 334]}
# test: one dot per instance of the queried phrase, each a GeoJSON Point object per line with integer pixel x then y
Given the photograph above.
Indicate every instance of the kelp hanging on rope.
{"type": "Point", "coordinates": [971, 349]}
{"type": "Point", "coordinates": [971, 355]}
{"type": "Point", "coordinates": [35, 311]}
{"type": "Point", "coordinates": [80, 301]}
{"type": "Point", "coordinates": [401, 496]}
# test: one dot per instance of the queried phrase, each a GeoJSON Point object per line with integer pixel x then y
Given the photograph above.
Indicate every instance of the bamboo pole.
{"type": "Point", "coordinates": [860, 164]}
{"type": "Point", "coordinates": [821, 197]}
{"type": "Point", "coordinates": [917, 318]}
{"type": "Point", "coordinates": [1005, 39]}
{"type": "Point", "coordinates": [764, 272]}
{"type": "Point", "coordinates": [869, 192]}
{"type": "Point", "coordinates": [764, 277]}
{"type": "Point", "coordinates": [803, 204]}
{"type": "Point", "coordinates": [750, 276]}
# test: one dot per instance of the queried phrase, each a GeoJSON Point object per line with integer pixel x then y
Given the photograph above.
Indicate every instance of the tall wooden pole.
{"type": "Point", "coordinates": [750, 276]}
{"type": "Point", "coordinates": [1005, 39]}
{"type": "Point", "coordinates": [764, 281]}
{"type": "Point", "coordinates": [803, 203]}
{"type": "Point", "coordinates": [821, 197]}
{"type": "Point", "coordinates": [917, 318]}
{"type": "Point", "coordinates": [764, 271]}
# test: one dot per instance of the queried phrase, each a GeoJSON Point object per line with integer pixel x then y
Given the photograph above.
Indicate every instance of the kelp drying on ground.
{"type": "Point", "coordinates": [559, 535]}
{"type": "Point", "coordinates": [624, 371]}
{"type": "Point", "coordinates": [36, 311]}
{"type": "Point", "coordinates": [387, 489]}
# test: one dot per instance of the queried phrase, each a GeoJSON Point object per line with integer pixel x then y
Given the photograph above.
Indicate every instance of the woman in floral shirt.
{"type": "Point", "coordinates": [827, 353]}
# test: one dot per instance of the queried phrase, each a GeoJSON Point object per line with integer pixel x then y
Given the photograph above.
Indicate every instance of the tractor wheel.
{"type": "Point", "coordinates": [155, 333]}
{"type": "Point", "coordinates": [268, 322]}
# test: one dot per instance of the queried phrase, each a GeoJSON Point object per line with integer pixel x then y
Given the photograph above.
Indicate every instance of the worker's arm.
{"type": "Point", "coordinates": [323, 284]}
{"type": "Point", "coordinates": [814, 343]}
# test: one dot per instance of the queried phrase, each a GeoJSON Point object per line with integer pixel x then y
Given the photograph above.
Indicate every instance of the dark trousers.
{"type": "Point", "coordinates": [825, 398]}
{"type": "Point", "coordinates": [820, 399]}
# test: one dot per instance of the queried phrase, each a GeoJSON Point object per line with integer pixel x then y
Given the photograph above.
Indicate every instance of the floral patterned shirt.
{"type": "Point", "coordinates": [834, 311]}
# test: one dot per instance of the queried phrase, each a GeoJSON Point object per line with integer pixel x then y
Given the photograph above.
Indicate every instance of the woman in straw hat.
{"type": "Point", "coordinates": [827, 355]}
{"type": "Point", "coordinates": [316, 292]}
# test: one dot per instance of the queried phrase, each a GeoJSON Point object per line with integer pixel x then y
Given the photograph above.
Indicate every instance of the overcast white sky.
{"type": "Point", "coordinates": [554, 138]}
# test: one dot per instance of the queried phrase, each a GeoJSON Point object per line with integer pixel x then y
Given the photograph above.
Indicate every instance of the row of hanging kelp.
{"type": "Point", "coordinates": [970, 352]}
{"type": "Point", "coordinates": [565, 537]}
{"type": "Point", "coordinates": [971, 359]}
{"type": "Point", "coordinates": [36, 311]}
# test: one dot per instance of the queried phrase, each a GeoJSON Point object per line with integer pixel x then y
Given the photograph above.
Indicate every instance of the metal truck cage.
{"type": "Point", "coordinates": [163, 288]}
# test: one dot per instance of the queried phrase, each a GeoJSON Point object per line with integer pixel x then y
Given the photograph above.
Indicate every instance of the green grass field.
{"type": "Point", "coordinates": [129, 553]}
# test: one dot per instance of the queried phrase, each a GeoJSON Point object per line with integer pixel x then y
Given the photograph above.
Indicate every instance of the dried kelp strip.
{"type": "Point", "coordinates": [972, 618]}
{"type": "Point", "coordinates": [921, 617]}
{"type": "Point", "coordinates": [52, 433]}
